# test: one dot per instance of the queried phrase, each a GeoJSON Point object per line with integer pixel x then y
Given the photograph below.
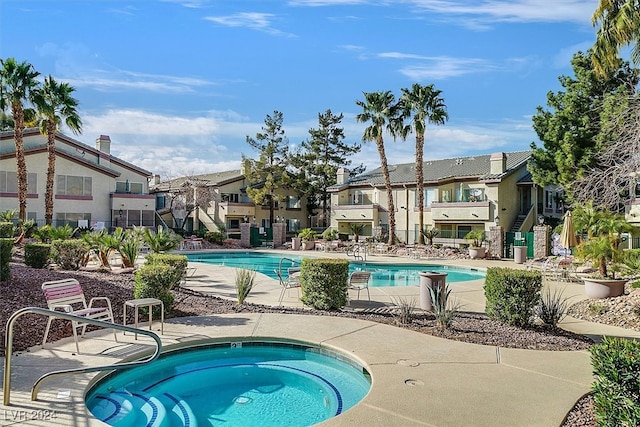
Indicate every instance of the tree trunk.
{"type": "Point", "coordinates": [420, 185]}
{"type": "Point", "coordinates": [387, 185]}
{"type": "Point", "coordinates": [18, 117]}
{"type": "Point", "coordinates": [51, 170]}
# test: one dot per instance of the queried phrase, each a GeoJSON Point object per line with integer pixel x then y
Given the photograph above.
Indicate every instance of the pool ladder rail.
{"type": "Point", "coordinates": [8, 346]}
{"type": "Point", "coordinates": [359, 252]}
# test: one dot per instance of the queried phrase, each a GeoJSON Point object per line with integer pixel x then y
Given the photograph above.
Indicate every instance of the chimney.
{"type": "Point", "coordinates": [342, 176]}
{"type": "Point", "coordinates": [156, 179]}
{"type": "Point", "coordinates": [103, 143]}
{"type": "Point", "coordinates": [498, 163]}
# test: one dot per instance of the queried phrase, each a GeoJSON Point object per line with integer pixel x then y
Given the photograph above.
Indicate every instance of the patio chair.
{"type": "Point", "coordinates": [358, 281]}
{"type": "Point", "coordinates": [292, 281]}
{"type": "Point", "coordinates": [67, 295]}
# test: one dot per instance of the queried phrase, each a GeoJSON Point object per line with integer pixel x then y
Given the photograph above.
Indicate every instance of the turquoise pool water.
{"type": "Point", "coordinates": [382, 274]}
{"type": "Point", "coordinates": [232, 384]}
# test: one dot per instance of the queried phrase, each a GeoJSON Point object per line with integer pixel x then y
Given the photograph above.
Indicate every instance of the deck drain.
{"type": "Point", "coordinates": [413, 383]}
{"type": "Point", "coordinates": [407, 362]}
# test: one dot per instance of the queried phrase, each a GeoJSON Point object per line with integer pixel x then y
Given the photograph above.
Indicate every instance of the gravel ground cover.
{"type": "Point", "coordinates": [23, 290]}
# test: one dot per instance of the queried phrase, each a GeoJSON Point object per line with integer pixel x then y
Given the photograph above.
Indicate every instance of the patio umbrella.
{"type": "Point", "coordinates": [568, 236]}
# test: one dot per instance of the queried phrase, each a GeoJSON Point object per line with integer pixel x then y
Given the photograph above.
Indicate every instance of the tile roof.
{"type": "Point", "coordinates": [207, 179]}
{"type": "Point", "coordinates": [438, 170]}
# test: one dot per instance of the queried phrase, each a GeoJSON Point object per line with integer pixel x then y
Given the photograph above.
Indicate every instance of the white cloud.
{"type": "Point", "coordinates": [445, 67]}
{"type": "Point", "coordinates": [254, 20]}
{"type": "Point", "coordinates": [577, 11]}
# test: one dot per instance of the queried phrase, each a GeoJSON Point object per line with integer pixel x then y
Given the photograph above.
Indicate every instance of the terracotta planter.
{"type": "Point", "coordinates": [603, 288]}
{"type": "Point", "coordinates": [475, 253]}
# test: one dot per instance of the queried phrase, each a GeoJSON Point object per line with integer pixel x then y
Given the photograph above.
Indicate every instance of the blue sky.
{"type": "Point", "coordinates": [179, 84]}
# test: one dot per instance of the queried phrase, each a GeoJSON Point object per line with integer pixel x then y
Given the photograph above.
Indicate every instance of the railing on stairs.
{"type": "Point", "coordinates": [8, 348]}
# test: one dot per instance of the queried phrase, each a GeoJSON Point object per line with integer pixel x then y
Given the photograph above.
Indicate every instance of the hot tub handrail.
{"type": "Point", "coordinates": [8, 347]}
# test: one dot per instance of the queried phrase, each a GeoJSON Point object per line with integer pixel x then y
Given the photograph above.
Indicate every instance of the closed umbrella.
{"type": "Point", "coordinates": [568, 236]}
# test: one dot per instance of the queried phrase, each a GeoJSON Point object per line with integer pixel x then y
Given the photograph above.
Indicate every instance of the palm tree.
{"type": "Point", "coordinates": [619, 22]}
{"type": "Point", "coordinates": [380, 109]}
{"type": "Point", "coordinates": [424, 104]}
{"type": "Point", "coordinates": [55, 104]}
{"type": "Point", "coordinates": [17, 83]}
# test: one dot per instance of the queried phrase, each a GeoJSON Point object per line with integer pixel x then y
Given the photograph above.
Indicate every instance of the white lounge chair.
{"type": "Point", "coordinates": [67, 295]}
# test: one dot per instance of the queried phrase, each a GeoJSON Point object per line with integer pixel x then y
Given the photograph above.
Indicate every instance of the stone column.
{"type": "Point", "coordinates": [245, 235]}
{"type": "Point", "coordinates": [496, 241]}
{"type": "Point", "coordinates": [279, 234]}
{"type": "Point", "coordinates": [541, 239]}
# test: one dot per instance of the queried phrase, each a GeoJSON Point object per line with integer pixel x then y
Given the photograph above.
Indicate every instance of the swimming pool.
{"type": "Point", "coordinates": [381, 274]}
{"type": "Point", "coordinates": [233, 383]}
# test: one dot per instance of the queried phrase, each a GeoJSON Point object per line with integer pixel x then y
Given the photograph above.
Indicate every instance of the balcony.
{"type": "Point", "coordinates": [461, 211]}
{"type": "Point", "coordinates": [358, 212]}
{"type": "Point", "coordinates": [237, 209]}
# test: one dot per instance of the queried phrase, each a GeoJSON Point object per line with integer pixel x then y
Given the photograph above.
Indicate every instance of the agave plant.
{"type": "Point", "coordinates": [162, 240]}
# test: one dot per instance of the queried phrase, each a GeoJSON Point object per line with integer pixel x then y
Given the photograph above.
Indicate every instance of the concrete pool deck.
{"type": "Point", "coordinates": [417, 379]}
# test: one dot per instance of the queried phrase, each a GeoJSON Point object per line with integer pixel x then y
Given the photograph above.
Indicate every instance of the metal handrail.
{"type": "Point", "coordinates": [8, 348]}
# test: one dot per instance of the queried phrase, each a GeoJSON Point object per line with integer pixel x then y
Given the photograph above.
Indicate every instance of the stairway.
{"type": "Point", "coordinates": [122, 408]}
{"type": "Point", "coordinates": [516, 225]}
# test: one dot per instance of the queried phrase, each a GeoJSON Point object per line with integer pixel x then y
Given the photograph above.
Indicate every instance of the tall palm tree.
{"type": "Point", "coordinates": [619, 22]}
{"type": "Point", "coordinates": [381, 110]}
{"type": "Point", "coordinates": [55, 103]}
{"type": "Point", "coordinates": [423, 104]}
{"type": "Point", "coordinates": [17, 83]}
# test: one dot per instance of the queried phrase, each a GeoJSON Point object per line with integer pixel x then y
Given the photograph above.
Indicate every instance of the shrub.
{"type": "Point", "coordinates": [444, 308]}
{"type": "Point", "coordinates": [69, 254]}
{"type": "Point", "coordinates": [307, 234]}
{"type": "Point", "coordinates": [6, 250]}
{"type": "Point", "coordinates": [512, 295]}
{"type": "Point", "coordinates": [155, 281]}
{"type": "Point", "coordinates": [404, 311]}
{"type": "Point", "coordinates": [330, 234]}
{"type": "Point", "coordinates": [162, 240]}
{"type": "Point", "coordinates": [176, 263]}
{"type": "Point", "coordinates": [616, 386]}
{"type": "Point", "coordinates": [36, 255]}
{"type": "Point", "coordinates": [324, 282]}
{"type": "Point", "coordinates": [552, 307]}
{"type": "Point", "coordinates": [244, 283]}
{"type": "Point", "coordinates": [214, 237]}
{"type": "Point", "coordinates": [7, 229]}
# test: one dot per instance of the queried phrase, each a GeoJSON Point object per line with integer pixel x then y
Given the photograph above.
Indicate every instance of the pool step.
{"type": "Point", "coordinates": [124, 409]}
{"type": "Point", "coordinates": [179, 412]}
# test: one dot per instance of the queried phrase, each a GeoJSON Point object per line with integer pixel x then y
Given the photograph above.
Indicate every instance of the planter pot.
{"type": "Point", "coordinates": [475, 253]}
{"type": "Point", "coordinates": [295, 243]}
{"type": "Point", "coordinates": [519, 254]}
{"type": "Point", "coordinates": [308, 245]}
{"type": "Point", "coordinates": [428, 280]}
{"type": "Point", "coordinates": [603, 288]}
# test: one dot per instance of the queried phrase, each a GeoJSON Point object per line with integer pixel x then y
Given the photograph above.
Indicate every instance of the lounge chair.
{"type": "Point", "coordinates": [67, 295]}
{"type": "Point", "coordinates": [358, 281]}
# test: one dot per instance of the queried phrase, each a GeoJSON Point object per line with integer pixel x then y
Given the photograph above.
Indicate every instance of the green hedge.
{"type": "Point", "coordinates": [36, 255]}
{"type": "Point", "coordinates": [7, 229]}
{"type": "Point", "coordinates": [155, 281]}
{"type": "Point", "coordinates": [512, 295]}
{"type": "Point", "coordinates": [68, 254]}
{"type": "Point", "coordinates": [177, 263]}
{"type": "Point", "coordinates": [324, 283]}
{"type": "Point", "coordinates": [616, 387]}
{"type": "Point", "coordinates": [6, 250]}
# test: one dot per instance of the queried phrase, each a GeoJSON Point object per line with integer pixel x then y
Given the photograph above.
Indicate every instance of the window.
{"type": "Point", "coordinates": [473, 195]}
{"type": "Point", "coordinates": [264, 223]}
{"type": "Point", "coordinates": [357, 198]}
{"type": "Point", "coordinates": [9, 182]}
{"type": "Point", "coordinates": [293, 224]}
{"type": "Point", "coordinates": [429, 196]}
{"type": "Point", "coordinates": [69, 185]}
{"type": "Point", "coordinates": [233, 223]}
{"type": "Point", "coordinates": [548, 197]}
{"type": "Point", "coordinates": [62, 218]}
{"type": "Point", "coordinates": [129, 187]}
{"type": "Point", "coordinates": [293, 202]}
{"type": "Point", "coordinates": [230, 197]}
